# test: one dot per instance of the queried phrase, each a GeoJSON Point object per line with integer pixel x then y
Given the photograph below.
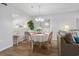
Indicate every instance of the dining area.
{"type": "Point", "coordinates": [34, 34]}
{"type": "Point", "coordinates": [35, 42]}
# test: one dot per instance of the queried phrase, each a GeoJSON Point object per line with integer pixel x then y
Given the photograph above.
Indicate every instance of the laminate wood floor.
{"type": "Point", "coordinates": [21, 50]}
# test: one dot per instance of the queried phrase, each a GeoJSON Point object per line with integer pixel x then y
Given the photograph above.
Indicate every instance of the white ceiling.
{"type": "Point", "coordinates": [45, 8]}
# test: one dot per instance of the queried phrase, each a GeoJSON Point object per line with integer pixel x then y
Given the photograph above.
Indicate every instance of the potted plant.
{"type": "Point", "coordinates": [39, 30]}
{"type": "Point", "coordinates": [30, 25]}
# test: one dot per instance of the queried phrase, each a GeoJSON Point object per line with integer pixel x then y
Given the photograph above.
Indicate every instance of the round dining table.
{"type": "Point", "coordinates": [42, 37]}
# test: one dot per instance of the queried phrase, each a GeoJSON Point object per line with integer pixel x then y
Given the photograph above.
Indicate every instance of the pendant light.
{"type": "Point", "coordinates": [39, 19]}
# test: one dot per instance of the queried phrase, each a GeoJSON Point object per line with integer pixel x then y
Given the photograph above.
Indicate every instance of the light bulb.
{"type": "Point", "coordinates": [46, 24]}
{"type": "Point", "coordinates": [39, 19]}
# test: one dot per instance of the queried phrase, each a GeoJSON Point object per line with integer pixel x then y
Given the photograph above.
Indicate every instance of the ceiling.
{"type": "Point", "coordinates": [32, 9]}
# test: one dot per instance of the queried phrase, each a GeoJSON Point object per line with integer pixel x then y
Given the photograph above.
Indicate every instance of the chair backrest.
{"type": "Point", "coordinates": [50, 37]}
{"type": "Point", "coordinates": [28, 36]}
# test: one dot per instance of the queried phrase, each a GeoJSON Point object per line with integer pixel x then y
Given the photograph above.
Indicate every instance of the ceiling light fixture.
{"type": "Point", "coordinates": [46, 24]}
{"type": "Point", "coordinates": [39, 18]}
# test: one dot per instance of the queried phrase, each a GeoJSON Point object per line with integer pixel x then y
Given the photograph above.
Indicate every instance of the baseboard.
{"type": "Point", "coordinates": [6, 47]}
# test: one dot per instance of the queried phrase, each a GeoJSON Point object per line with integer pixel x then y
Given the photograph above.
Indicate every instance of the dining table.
{"type": "Point", "coordinates": [39, 37]}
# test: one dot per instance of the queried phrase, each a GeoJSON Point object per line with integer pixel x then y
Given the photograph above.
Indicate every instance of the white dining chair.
{"type": "Point", "coordinates": [29, 40]}
{"type": "Point", "coordinates": [48, 43]}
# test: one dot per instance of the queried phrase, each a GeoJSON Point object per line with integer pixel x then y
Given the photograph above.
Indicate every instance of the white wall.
{"type": "Point", "coordinates": [6, 26]}
{"type": "Point", "coordinates": [59, 20]}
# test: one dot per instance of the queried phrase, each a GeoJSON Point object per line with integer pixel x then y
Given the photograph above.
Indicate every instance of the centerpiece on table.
{"type": "Point", "coordinates": [39, 30]}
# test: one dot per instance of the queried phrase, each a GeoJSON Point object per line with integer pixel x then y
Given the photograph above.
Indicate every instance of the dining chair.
{"type": "Point", "coordinates": [29, 39]}
{"type": "Point", "coordinates": [27, 43]}
{"type": "Point", "coordinates": [15, 40]}
{"type": "Point", "coordinates": [48, 43]}
{"type": "Point", "coordinates": [26, 35]}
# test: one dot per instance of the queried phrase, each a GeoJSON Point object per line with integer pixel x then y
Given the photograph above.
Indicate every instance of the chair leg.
{"type": "Point", "coordinates": [39, 45]}
{"type": "Point", "coordinates": [51, 45]}
{"type": "Point", "coordinates": [32, 48]}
